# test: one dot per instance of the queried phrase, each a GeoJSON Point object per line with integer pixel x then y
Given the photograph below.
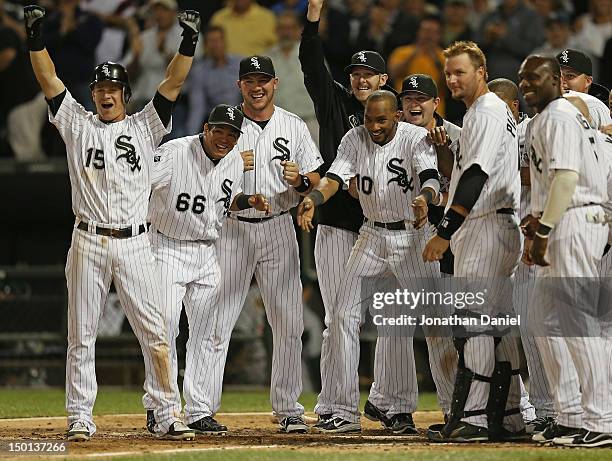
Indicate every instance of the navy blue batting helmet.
{"type": "Point", "coordinates": [115, 73]}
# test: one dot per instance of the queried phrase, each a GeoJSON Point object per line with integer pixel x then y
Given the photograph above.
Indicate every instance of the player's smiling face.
{"type": "Point", "coordinates": [257, 91]}
{"type": "Point", "coordinates": [418, 108]}
{"type": "Point", "coordinates": [537, 83]}
{"type": "Point", "coordinates": [364, 81]}
{"type": "Point", "coordinates": [380, 119]}
{"type": "Point", "coordinates": [219, 139]}
{"type": "Point", "coordinates": [462, 77]}
{"type": "Point", "coordinates": [108, 98]}
{"type": "Point", "coordinates": [573, 80]}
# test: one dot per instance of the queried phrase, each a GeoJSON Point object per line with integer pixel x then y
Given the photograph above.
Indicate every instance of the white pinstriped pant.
{"type": "Point", "coordinates": [377, 253]}
{"type": "Point", "coordinates": [94, 261]}
{"type": "Point", "coordinates": [489, 247]}
{"type": "Point", "coordinates": [578, 369]}
{"type": "Point", "coordinates": [189, 275]}
{"type": "Point", "coordinates": [269, 251]}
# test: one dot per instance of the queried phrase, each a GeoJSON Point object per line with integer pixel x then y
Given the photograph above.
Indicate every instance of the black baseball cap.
{"type": "Point", "coordinates": [576, 60]}
{"type": "Point", "coordinates": [419, 83]}
{"type": "Point", "coordinates": [256, 65]}
{"type": "Point", "coordinates": [600, 92]}
{"type": "Point", "coordinates": [224, 114]}
{"type": "Point", "coordinates": [369, 59]}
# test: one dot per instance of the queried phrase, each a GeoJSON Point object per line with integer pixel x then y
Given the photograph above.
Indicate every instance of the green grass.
{"type": "Point", "coordinates": [23, 403]}
{"type": "Point", "coordinates": [386, 454]}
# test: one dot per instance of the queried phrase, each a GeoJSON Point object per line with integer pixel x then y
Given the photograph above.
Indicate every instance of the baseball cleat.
{"type": "Point", "coordinates": [590, 439]}
{"type": "Point", "coordinates": [293, 425]}
{"type": "Point", "coordinates": [373, 413]}
{"type": "Point", "coordinates": [78, 432]}
{"type": "Point", "coordinates": [463, 432]}
{"type": "Point", "coordinates": [178, 431]}
{"type": "Point", "coordinates": [508, 436]}
{"type": "Point", "coordinates": [208, 426]}
{"type": "Point", "coordinates": [323, 419]}
{"type": "Point", "coordinates": [402, 423]}
{"type": "Point", "coordinates": [538, 424]}
{"type": "Point", "coordinates": [151, 421]}
{"type": "Point", "coordinates": [338, 426]}
{"type": "Point", "coordinates": [571, 440]}
{"type": "Point", "coordinates": [554, 430]}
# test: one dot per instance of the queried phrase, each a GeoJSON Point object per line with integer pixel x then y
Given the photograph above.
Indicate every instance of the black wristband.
{"type": "Point", "coordinates": [317, 197]}
{"type": "Point", "coordinates": [305, 184]}
{"type": "Point", "coordinates": [35, 43]}
{"type": "Point", "coordinates": [543, 230]}
{"type": "Point", "coordinates": [242, 202]}
{"type": "Point", "coordinates": [450, 223]}
{"type": "Point", "coordinates": [188, 44]}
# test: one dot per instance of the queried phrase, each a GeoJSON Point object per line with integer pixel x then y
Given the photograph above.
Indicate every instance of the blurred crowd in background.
{"type": "Point", "coordinates": [144, 35]}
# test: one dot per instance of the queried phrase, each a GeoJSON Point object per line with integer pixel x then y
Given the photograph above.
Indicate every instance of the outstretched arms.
{"type": "Point", "coordinates": [43, 66]}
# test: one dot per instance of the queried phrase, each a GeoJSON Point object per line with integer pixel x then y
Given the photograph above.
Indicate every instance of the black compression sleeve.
{"type": "Point", "coordinates": [470, 186]}
{"type": "Point", "coordinates": [163, 107]}
{"type": "Point", "coordinates": [56, 102]}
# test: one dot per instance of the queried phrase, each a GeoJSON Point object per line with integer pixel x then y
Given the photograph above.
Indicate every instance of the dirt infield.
{"type": "Point", "coordinates": [121, 434]}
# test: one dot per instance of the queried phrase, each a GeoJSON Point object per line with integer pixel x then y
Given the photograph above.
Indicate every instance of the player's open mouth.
{"type": "Point", "coordinates": [415, 113]}
{"type": "Point", "coordinates": [257, 95]}
{"type": "Point", "coordinates": [363, 88]}
{"type": "Point", "coordinates": [107, 105]}
{"type": "Point", "coordinates": [221, 147]}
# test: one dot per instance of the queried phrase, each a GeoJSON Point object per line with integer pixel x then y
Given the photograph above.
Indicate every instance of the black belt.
{"type": "Point", "coordinates": [397, 225]}
{"type": "Point", "coordinates": [256, 220]}
{"type": "Point", "coordinates": [505, 211]}
{"type": "Point", "coordinates": [124, 233]}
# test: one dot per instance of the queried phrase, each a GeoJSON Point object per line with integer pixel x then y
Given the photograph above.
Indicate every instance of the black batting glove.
{"type": "Point", "coordinates": [33, 18]}
{"type": "Point", "coordinates": [189, 20]}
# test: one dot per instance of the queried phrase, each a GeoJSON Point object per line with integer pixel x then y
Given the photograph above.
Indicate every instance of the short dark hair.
{"type": "Point", "coordinates": [506, 88]}
{"type": "Point", "coordinates": [550, 62]}
{"type": "Point", "coordinates": [383, 95]}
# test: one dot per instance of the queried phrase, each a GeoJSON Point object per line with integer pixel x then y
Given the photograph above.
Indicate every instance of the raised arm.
{"type": "Point", "coordinates": [179, 67]}
{"type": "Point", "coordinates": [43, 66]}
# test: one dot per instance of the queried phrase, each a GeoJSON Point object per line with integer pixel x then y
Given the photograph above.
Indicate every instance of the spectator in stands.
{"type": "Point", "coordinates": [456, 26]}
{"type": "Point", "coordinates": [212, 80]}
{"type": "Point", "coordinates": [605, 65]}
{"type": "Point", "coordinates": [424, 57]}
{"type": "Point", "coordinates": [508, 35]}
{"type": "Point", "coordinates": [558, 35]}
{"type": "Point", "coordinates": [298, 7]}
{"type": "Point", "coordinates": [22, 105]}
{"type": "Point", "coordinates": [250, 29]}
{"type": "Point", "coordinates": [545, 8]}
{"type": "Point", "coordinates": [593, 31]}
{"type": "Point", "coordinates": [480, 9]}
{"type": "Point", "coordinates": [72, 37]}
{"type": "Point", "coordinates": [348, 22]}
{"type": "Point", "coordinates": [390, 27]}
{"type": "Point", "coordinates": [10, 16]}
{"type": "Point", "coordinates": [291, 93]}
{"type": "Point", "coordinates": [120, 27]}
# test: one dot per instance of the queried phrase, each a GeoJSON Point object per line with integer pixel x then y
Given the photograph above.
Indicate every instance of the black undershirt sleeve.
{"type": "Point", "coordinates": [470, 186]}
{"type": "Point", "coordinates": [163, 107]}
{"type": "Point", "coordinates": [426, 175]}
{"type": "Point", "coordinates": [55, 102]}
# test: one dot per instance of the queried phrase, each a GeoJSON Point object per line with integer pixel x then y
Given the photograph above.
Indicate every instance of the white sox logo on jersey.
{"type": "Point", "coordinates": [280, 145]}
{"type": "Point", "coordinates": [255, 62]}
{"type": "Point", "coordinates": [537, 162]}
{"type": "Point", "coordinates": [226, 188]}
{"type": "Point", "coordinates": [129, 152]}
{"type": "Point", "coordinates": [401, 178]}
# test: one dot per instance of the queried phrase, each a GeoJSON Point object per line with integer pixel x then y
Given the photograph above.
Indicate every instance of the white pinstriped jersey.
{"type": "Point", "coordinates": [285, 137]}
{"type": "Point", "coordinates": [521, 130]}
{"type": "Point", "coordinates": [600, 113]}
{"type": "Point", "coordinates": [109, 164]}
{"type": "Point", "coordinates": [387, 176]}
{"type": "Point", "coordinates": [192, 195]}
{"type": "Point", "coordinates": [605, 147]}
{"type": "Point", "coordinates": [562, 139]}
{"type": "Point", "coordinates": [489, 139]}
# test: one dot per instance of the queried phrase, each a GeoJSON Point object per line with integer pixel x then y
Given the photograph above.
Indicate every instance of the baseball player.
{"type": "Point", "coordinates": [419, 100]}
{"type": "Point", "coordinates": [253, 243]}
{"type": "Point", "coordinates": [338, 110]}
{"type": "Point", "coordinates": [571, 184]}
{"type": "Point", "coordinates": [196, 182]}
{"type": "Point", "coordinates": [109, 160]}
{"type": "Point", "coordinates": [539, 414]}
{"type": "Point", "coordinates": [481, 225]}
{"type": "Point", "coordinates": [388, 159]}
